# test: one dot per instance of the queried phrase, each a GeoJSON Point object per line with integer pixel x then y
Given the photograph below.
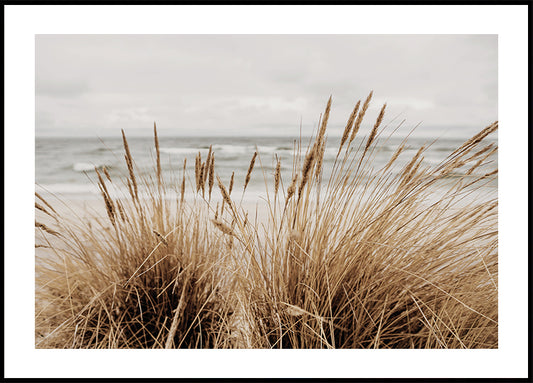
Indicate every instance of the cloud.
{"type": "Point", "coordinates": [60, 88]}
{"type": "Point", "coordinates": [127, 116]}
{"type": "Point", "coordinates": [221, 83]}
{"type": "Point", "coordinates": [408, 103]}
{"type": "Point", "coordinates": [273, 104]}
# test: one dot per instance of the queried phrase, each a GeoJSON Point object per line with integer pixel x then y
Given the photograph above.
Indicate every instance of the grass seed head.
{"type": "Point", "coordinates": [349, 126]}
{"type": "Point", "coordinates": [183, 181]}
{"type": "Point", "coordinates": [292, 187]}
{"type": "Point", "coordinates": [231, 182]}
{"type": "Point", "coordinates": [223, 227]}
{"type": "Point", "coordinates": [374, 131]}
{"type": "Point", "coordinates": [360, 116]}
{"type": "Point", "coordinates": [161, 237]}
{"type": "Point", "coordinates": [45, 202]}
{"type": "Point", "coordinates": [158, 156]}
{"type": "Point", "coordinates": [129, 163]}
{"type": "Point", "coordinates": [211, 174]}
{"type": "Point", "coordinates": [306, 169]}
{"type": "Point", "coordinates": [106, 173]}
{"type": "Point", "coordinates": [42, 226]}
{"type": "Point", "coordinates": [223, 191]}
{"type": "Point", "coordinates": [249, 172]}
{"type": "Point", "coordinates": [277, 176]}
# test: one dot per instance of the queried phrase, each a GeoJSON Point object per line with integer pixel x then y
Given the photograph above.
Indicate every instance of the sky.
{"type": "Point", "coordinates": [261, 85]}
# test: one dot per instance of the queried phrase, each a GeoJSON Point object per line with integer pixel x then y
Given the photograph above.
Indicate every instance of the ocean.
{"type": "Point", "coordinates": [64, 166]}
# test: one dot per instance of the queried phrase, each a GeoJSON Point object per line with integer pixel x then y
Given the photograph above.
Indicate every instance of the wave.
{"type": "Point", "coordinates": [232, 149]}
{"type": "Point", "coordinates": [181, 150]}
{"type": "Point", "coordinates": [87, 167]}
{"type": "Point", "coordinates": [105, 149]}
{"type": "Point", "coordinates": [225, 149]}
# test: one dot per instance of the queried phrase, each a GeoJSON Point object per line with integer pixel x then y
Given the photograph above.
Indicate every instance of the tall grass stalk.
{"type": "Point", "coordinates": [370, 259]}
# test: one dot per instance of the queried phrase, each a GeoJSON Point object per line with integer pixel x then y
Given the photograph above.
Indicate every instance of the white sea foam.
{"type": "Point", "coordinates": [70, 171]}
{"type": "Point", "coordinates": [86, 166]}
{"type": "Point", "coordinates": [224, 149]}
{"type": "Point", "coordinates": [82, 166]}
{"type": "Point", "coordinates": [270, 149]}
{"type": "Point", "coordinates": [183, 151]}
{"type": "Point", "coordinates": [232, 149]}
{"type": "Point", "coordinates": [219, 148]}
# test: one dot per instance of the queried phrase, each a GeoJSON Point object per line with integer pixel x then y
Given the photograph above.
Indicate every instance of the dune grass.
{"type": "Point", "coordinates": [148, 276]}
{"type": "Point", "coordinates": [370, 259]}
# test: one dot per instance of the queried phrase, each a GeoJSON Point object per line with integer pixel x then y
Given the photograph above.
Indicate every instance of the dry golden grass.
{"type": "Point", "coordinates": [372, 259]}
{"type": "Point", "coordinates": [150, 276]}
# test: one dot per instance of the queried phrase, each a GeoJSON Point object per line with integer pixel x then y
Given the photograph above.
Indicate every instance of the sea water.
{"type": "Point", "coordinates": [65, 166]}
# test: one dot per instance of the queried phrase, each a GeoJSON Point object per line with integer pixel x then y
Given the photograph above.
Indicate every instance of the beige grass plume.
{"type": "Point", "coordinates": [41, 208]}
{"type": "Point", "coordinates": [480, 152]}
{"type": "Point", "coordinates": [250, 168]}
{"type": "Point", "coordinates": [45, 202]}
{"type": "Point", "coordinates": [232, 179]}
{"type": "Point", "coordinates": [222, 227]}
{"type": "Point", "coordinates": [160, 237]}
{"type": "Point", "coordinates": [211, 174]}
{"type": "Point", "coordinates": [349, 126]}
{"type": "Point", "coordinates": [277, 176]}
{"type": "Point", "coordinates": [374, 131]}
{"type": "Point", "coordinates": [183, 181]}
{"type": "Point", "coordinates": [196, 171]}
{"type": "Point", "coordinates": [42, 226]}
{"type": "Point", "coordinates": [158, 156]}
{"type": "Point", "coordinates": [209, 153]}
{"type": "Point", "coordinates": [359, 119]}
{"type": "Point", "coordinates": [482, 160]}
{"type": "Point", "coordinates": [409, 171]}
{"type": "Point", "coordinates": [202, 177]}
{"type": "Point", "coordinates": [292, 188]}
{"type": "Point", "coordinates": [320, 157]}
{"type": "Point", "coordinates": [487, 175]}
{"type": "Point", "coordinates": [207, 167]}
{"type": "Point", "coordinates": [121, 212]}
{"type": "Point", "coordinates": [476, 138]}
{"type": "Point", "coordinates": [129, 163]}
{"type": "Point", "coordinates": [223, 191]}
{"type": "Point", "coordinates": [324, 124]}
{"type": "Point", "coordinates": [110, 208]}
{"type": "Point", "coordinates": [106, 173]}
{"type": "Point", "coordinates": [395, 156]}
{"type": "Point", "coordinates": [306, 169]}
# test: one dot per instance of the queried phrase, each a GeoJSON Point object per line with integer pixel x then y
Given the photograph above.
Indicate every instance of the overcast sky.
{"type": "Point", "coordinates": [261, 84]}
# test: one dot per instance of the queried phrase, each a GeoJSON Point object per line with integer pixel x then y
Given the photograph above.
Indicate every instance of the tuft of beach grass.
{"type": "Point", "coordinates": [374, 259]}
